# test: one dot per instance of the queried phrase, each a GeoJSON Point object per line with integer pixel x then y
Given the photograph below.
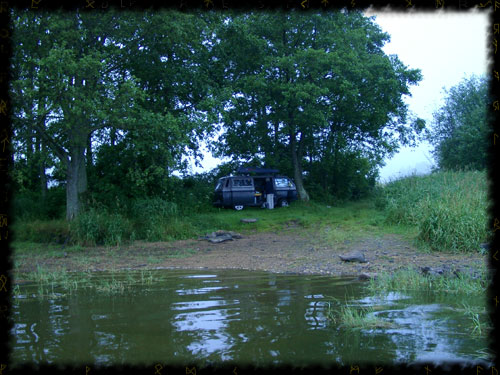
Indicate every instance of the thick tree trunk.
{"type": "Point", "coordinates": [76, 183]}
{"type": "Point", "coordinates": [40, 150]}
{"type": "Point", "coordinates": [297, 170]}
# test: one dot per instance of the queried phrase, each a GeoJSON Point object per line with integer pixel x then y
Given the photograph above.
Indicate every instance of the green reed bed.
{"type": "Point", "coordinates": [411, 280]}
{"type": "Point", "coordinates": [450, 209]}
{"type": "Point", "coordinates": [66, 283]}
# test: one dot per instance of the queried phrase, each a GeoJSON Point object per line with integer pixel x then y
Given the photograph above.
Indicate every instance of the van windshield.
{"type": "Point", "coordinates": [219, 185]}
{"type": "Point", "coordinates": [283, 182]}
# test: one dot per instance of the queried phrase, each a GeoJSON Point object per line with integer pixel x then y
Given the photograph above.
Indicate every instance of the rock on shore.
{"type": "Point", "coordinates": [355, 256]}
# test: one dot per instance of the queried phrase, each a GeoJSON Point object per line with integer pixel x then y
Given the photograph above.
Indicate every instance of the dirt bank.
{"type": "Point", "coordinates": [292, 250]}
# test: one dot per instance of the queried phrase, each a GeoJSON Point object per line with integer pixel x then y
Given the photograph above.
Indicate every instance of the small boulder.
{"type": "Point", "coordinates": [355, 256]}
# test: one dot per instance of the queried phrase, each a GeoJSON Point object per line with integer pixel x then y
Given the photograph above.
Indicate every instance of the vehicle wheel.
{"type": "Point", "coordinates": [283, 203]}
{"type": "Point", "coordinates": [238, 207]}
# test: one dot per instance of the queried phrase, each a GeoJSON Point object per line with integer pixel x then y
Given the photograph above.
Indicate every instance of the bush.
{"type": "Point", "coordinates": [144, 209]}
{"type": "Point", "coordinates": [98, 227]}
{"type": "Point", "coordinates": [53, 231]}
{"type": "Point", "coordinates": [30, 205]}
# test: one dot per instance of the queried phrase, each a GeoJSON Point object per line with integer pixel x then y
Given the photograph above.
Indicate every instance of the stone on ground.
{"type": "Point", "coordinates": [355, 256]}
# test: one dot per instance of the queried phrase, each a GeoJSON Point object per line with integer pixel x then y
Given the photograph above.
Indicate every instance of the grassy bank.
{"type": "Point", "coordinates": [444, 211]}
{"type": "Point", "coordinates": [449, 209]}
{"type": "Point", "coordinates": [102, 228]}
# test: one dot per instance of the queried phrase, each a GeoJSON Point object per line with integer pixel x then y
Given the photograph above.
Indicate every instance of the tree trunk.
{"type": "Point", "coordinates": [76, 183]}
{"type": "Point", "coordinates": [297, 170]}
{"type": "Point", "coordinates": [43, 176]}
{"type": "Point", "coordinates": [89, 150]}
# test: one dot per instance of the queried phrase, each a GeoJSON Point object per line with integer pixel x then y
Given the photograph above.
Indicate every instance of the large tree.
{"type": "Point", "coordinates": [460, 127]}
{"type": "Point", "coordinates": [86, 79]}
{"type": "Point", "coordinates": [310, 85]}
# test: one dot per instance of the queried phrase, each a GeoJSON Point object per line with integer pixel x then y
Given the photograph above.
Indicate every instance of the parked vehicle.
{"type": "Point", "coordinates": [246, 189]}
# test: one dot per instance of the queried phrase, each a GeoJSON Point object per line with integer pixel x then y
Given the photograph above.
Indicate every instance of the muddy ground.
{"type": "Point", "coordinates": [291, 250]}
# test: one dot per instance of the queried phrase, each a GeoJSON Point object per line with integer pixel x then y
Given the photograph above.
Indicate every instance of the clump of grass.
{"type": "Point", "coordinates": [112, 286]}
{"type": "Point", "coordinates": [479, 327]}
{"type": "Point", "coordinates": [449, 208]}
{"type": "Point", "coordinates": [98, 227]}
{"type": "Point", "coordinates": [410, 280]}
{"type": "Point", "coordinates": [352, 317]}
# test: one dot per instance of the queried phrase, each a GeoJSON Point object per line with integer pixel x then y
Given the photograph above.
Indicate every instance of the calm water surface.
{"type": "Point", "coordinates": [203, 317]}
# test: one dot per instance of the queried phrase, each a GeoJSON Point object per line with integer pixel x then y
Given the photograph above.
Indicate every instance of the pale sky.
{"type": "Point", "coordinates": [446, 47]}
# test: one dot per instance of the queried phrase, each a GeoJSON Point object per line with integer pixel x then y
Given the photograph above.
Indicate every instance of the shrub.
{"type": "Point", "coordinates": [144, 209]}
{"type": "Point", "coordinates": [98, 227]}
{"type": "Point", "coordinates": [42, 231]}
{"type": "Point", "coordinates": [30, 205]}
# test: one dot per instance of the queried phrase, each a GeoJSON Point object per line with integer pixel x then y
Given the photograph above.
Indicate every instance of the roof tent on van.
{"type": "Point", "coordinates": [249, 170]}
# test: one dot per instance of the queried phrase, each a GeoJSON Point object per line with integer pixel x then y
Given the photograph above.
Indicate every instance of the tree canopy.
{"type": "Point", "coordinates": [460, 127]}
{"type": "Point", "coordinates": [114, 104]}
{"type": "Point", "coordinates": [87, 81]}
{"type": "Point", "coordinates": [317, 86]}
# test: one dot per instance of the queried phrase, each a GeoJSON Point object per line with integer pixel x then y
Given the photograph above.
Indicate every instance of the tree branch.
{"type": "Point", "coordinates": [58, 149]}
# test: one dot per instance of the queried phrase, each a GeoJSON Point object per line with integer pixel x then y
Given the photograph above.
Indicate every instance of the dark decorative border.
{"type": "Point", "coordinates": [6, 214]}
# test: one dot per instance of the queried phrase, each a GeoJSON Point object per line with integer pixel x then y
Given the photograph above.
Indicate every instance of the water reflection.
{"type": "Point", "coordinates": [246, 317]}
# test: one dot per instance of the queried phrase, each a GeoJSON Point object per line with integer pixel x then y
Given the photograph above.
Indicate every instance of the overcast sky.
{"type": "Point", "coordinates": [446, 47]}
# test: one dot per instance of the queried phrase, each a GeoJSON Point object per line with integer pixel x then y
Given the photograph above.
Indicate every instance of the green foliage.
{"type": "Point", "coordinates": [143, 209]}
{"type": "Point", "coordinates": [460, 128]}
{"type": "Point", "coordinates": [345, 176]}
{"type": "Point", "coordinates": [316, 85]}
{"type": "Point", "coordinates": [449, 208]}
{"type": "Point", "coordinates": [29, 205]}
{"type": "Point", "coordinates": [411, 280]}
{"type": "Point", "coordinates": [98, 227]}
{"type": "Point", "coordinates": [353, 317]}
{"type": "Point", "coordinates": [83, 79]}
{"type": "Point", "coordinates": [42, 231]}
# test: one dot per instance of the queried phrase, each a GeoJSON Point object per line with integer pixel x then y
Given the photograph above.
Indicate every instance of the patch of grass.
{"type": "Point", "coordinates": [450, 209]}
{"type": "Point", "coordinates": [48, 280]}
{"type": "Point", "coordinates": [99, 227]}
{"type": "Point", "coordinates": [181, 253]}
{"type": "Point", "coordinates": [69, 282]}
{"type": "Point", "coordinates": [30, 249]}
{"type": "Point", "coordinates": [111, 287]}
{"type": "Point", "coordinates": [410, 280]}
{"type": "Point", "coordinates": [351, 317]}
{"type": "Point", "coordinates": [154, 260]}
{"type": "Point", "coordinates": [41, 231]}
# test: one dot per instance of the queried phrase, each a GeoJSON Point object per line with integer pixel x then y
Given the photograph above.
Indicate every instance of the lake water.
{"type": "Point", "coordinates": [206, 317]}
